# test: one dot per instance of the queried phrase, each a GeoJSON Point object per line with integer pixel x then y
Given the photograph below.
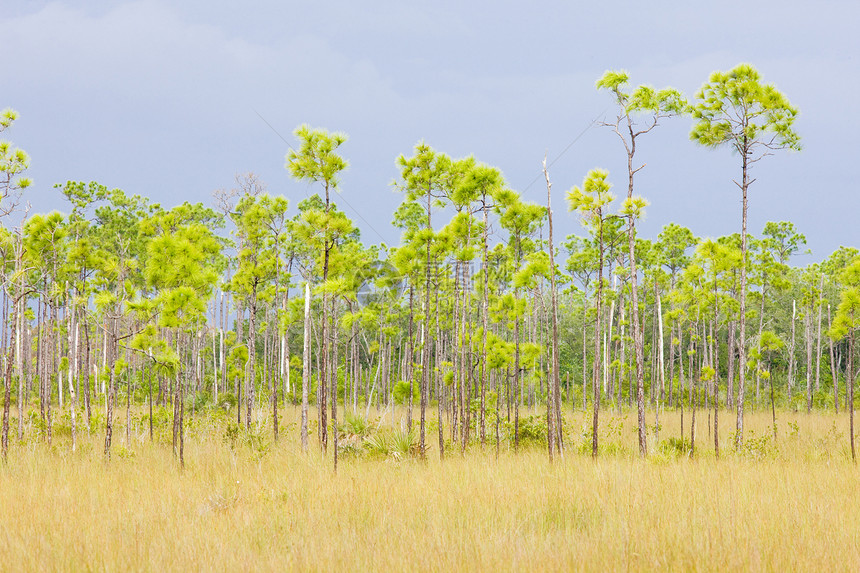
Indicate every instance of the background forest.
{"type": "Point", "coordinates": [480, 326]}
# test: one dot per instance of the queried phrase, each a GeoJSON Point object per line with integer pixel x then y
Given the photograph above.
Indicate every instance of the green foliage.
{"type": "Point", "coordinates": [735, 108]}
{"type": "Point", "coordinates": [251, 438]}
{"type": "Point", "coordinates": [401, 392]}
{"type": "Point", "coordinates": [355, 425]}
{"type": "Point", "coordinates": [395, 444]}
{"type": "Point", "coordinates": [316, 159]}
{"type": "Point", "coordinates": [757, 447]}
{"type": "Point", "coordinates": [13, 162]}
{"type": "Point", "coordinates": [675, 447]}
{"type": "Point", "coordinates": [532, 431]}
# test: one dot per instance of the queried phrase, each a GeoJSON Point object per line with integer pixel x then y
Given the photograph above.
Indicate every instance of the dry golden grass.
{"type": "Point", "coordinates": [789, 506]}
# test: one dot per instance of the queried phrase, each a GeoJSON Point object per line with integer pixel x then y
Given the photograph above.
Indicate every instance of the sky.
{"type": "Point", "coordinates": [172, 100]}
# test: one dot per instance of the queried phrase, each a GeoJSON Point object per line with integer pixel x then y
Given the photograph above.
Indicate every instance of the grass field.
{"type": "Point", "coordinates": [244, 503]}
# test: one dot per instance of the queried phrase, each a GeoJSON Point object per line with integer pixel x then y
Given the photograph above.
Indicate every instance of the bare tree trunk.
{"type": "Point", "coordinates": [409, 356]}
{"type": "Point", "coordinates": [19, 359]}
{"type": "Point", "coordinates": [595, 388]}
{"type": "Point", "coordinates": [455, 356]}
{"type": "Point", "coordinates": [662, 400]}
{"type": "Point", "coordinates": [250, 380]}
{"type": "Point", "coordinates": [306, 367]}
{"type": "Point", "coordinates": [791, 356]}
{"type": "Point", "coordinates": [73, 368]}
{"type": "Point", "coordinates": [180, 400]}
{"type": "Point", "coordinates": [807, 321]}
{"type": "Point", "coordinates": [485, 319]}
{"type": "Point", "coordinates": [833, 371]}
{"type": "Point", "coordinates": [465, 363]}
{"type": "Point", "coordinates": [553, 384]}
{"type": "Point", "coordinates": [681, 376]}
{"type": "Point", "coordinates": [742, 334]}
{"type": "Point", "coordinates": [440, 387]}
{"type": "Point", "coordinates": [638, 339]}
{"type": "Point", "coordinates": [87, 376]}
{"type": "Point", "coordinates": [730, 375]}
{"type": "Point", "coordinates": [584, 350]}
{"type": "Point", "coordinates": [851, 388]}
{"type": "Point", "coordinates": [7, 391]}
{"type": "Point", "coordinates": [334, 430]}
{"type": "Point", "coordinates": [693, 396]}
{"type": "Point", "coordinates": [425, 366]}
{"type": "Point", "coordinates": [818, 335]}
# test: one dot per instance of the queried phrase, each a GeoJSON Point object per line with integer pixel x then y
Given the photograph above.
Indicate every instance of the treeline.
{"type": "Point", "coordinates": [245, 306]}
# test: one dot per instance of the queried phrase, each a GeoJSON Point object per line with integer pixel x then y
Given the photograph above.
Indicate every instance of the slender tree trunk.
{"type": "Point", "coordinates": [772, 402]}
{"type": "Point", "coordinates": [306, 367]}
{"type": "Point", "coordinates": [638, 339]}
{"type": "Point", "coordinates": [584, 350]}
{"type": "Point", "coordinates": [553, 384]}
{"type": "Point", "coordinates": [662, 400]}
{"type": "Point", "coordinates": [730, 375]}
{"type": "Point", "coordinates": [818, 335]}
{"type": "Point", "coordinates": [851, 389]}
{"type": "Point", "coordinates": [7, 390]}
{"type": "Point", "coordinates": [516, 372]}
{"type": "Point", "coordinates": [425, 366]}
{"type": "Point", "coordinates": [324, 360]}
{"type": "Point", "coordinates": [250, 380]}
{"type": "Point", "coordinates": [238, 383]}
{"type": "Point", "coordinates": [73, 368]}
{"type": "Point", "coordinates": [681, 376]}
{"type": "Point", "coordinates": [87, 403]}
{"type": "Point", "coordinates": [180, 399]}
{"type": "Point", "coordinates": [111, 394]}
{"type": "Point", "coordinates": [791, 356]}
{"type": "Point", "coordinates": [465, 362]}
{"type": "Point", "coordinates": [334, 430]}
{"type": "Point", "coordinates": [833, 371]}
{"type": "Point", "coordinates": [694, 379]}
{"type": "Point", "coordinates": [409, 359]}
{"type": "Point", "coordinates": [455, 356]}
{"type": "Point", "coordinates": [595, 388]}
{"type": "Point", "coordinates": [742, 349]}
{"type": "Point", "coordinates": [808, 329]}
{"type": "Point", "coordinates": [485, 310]}
{"type": "Point", "coordinates": [19, 359]}
{"type": "Point", "coordinates": [440, 387]}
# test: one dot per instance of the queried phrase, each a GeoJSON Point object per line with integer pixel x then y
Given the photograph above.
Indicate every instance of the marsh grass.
{"type": "Point", "coordinates": [245, 503]}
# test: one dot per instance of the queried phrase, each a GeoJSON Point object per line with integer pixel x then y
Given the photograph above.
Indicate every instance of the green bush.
{"type": "Point", "coordinates": [398, 444]}
{"type": "Point", "coordinates": [401, 392]}
{"type": "Point", "coordinates": [532, 431]}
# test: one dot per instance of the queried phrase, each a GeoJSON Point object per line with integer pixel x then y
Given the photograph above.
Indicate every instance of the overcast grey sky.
{"type": "Point", "coordinates": [162, 99]}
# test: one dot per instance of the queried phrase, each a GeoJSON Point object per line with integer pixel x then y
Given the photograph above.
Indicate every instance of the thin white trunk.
{"type": "Point", "coordinates": [306, 367]}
